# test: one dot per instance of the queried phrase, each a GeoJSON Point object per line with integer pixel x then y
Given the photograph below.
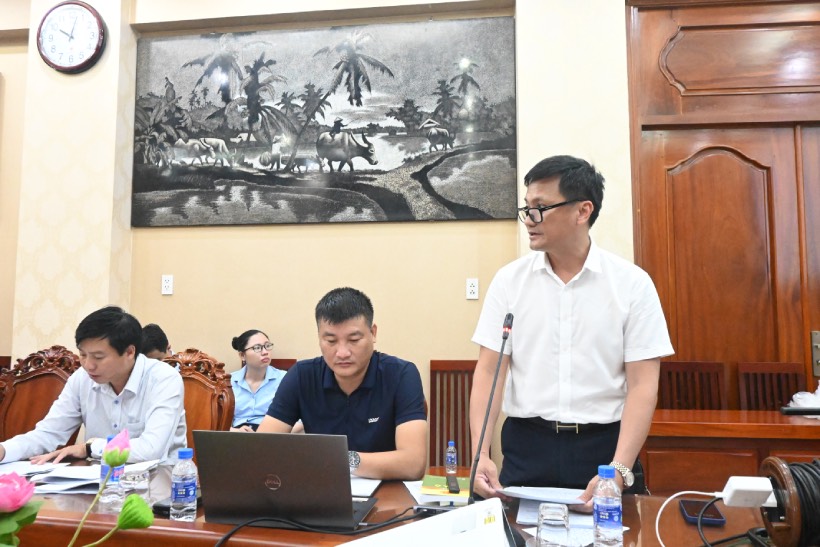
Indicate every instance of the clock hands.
{"type": "Point", "coordinates": [71, 34]}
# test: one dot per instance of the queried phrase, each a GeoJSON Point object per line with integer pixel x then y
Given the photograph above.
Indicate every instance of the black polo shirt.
{"type": "Point", "coordinates": [390, 395]}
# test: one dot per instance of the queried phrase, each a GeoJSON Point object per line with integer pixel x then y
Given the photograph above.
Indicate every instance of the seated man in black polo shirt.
{"type": "Point", "coordinates": [375, 399]}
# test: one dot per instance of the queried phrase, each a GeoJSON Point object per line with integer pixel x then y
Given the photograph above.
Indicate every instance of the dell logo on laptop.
{"type": "Point", "coordinates": [273, 482]}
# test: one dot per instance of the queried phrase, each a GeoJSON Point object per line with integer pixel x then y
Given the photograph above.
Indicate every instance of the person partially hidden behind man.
{"type": "Point", "coordinates": [373, 398]}
{"type": "Point", "coordinates": [117, 388]}
{"type": "Point", "coordinates": [155, 343]}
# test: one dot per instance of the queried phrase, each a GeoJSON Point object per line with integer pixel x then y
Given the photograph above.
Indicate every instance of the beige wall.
{"type": "Point", "coordinates": [572, 98]}
{"type": "Point", "coordinates": [74, 241]}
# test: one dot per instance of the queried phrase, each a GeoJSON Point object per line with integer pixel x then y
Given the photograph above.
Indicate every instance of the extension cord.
{"type": "Point", "coordinates": [748, 492]}
{"type": "Point", "coordinates": [431, 510]}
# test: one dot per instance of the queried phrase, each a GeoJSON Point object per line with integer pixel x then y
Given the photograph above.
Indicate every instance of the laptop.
{"type": "Point", "coordinates": [292, 477]}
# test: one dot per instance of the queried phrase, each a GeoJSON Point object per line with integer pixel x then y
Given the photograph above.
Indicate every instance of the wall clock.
{"type": "Point", "coordinates": [71, 37]}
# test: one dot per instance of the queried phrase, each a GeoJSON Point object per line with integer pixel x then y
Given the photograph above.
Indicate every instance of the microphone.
{"type": "Point", "coordinates": [505, 333]}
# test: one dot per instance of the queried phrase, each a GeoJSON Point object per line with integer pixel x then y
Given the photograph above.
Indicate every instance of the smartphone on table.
{"type": "Point", "coordinates": [712, 517]}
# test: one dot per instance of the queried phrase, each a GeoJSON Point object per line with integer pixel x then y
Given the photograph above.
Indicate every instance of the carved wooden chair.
{"type": "Point", "coordinates": [693, 385]}
{"type": "Point", "coordinates": [209, 399]}
{"type": "Point", "coordinates": [449, 410]}
{"type": "Point", "coordinates": [769, 386]}
{"type": "Point", "coordinates": [28, 389]}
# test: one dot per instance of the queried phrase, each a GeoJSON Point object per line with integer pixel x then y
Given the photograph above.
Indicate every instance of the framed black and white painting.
{"type": "Point", "coordinates": [383, 122]}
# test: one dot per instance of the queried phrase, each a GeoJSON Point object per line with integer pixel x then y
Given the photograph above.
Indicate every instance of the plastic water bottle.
{"type": "Point", "coordinates": [607, 511]}
{"type": "Point", "coordinates": [112, 497]}
{"type": "Point", "coordinates": [450, 458]}
{"type": "Point", "coordinates": [183, 487]}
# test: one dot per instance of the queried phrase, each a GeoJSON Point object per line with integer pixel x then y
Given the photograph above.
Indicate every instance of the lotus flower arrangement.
{"type": "Point", "coordinates": [135, 512]}
{"type": "Point", "coordinates": [16, 509]}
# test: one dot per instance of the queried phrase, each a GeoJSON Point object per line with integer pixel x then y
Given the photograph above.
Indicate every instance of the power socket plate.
{"type": "Point", "coordinates": [472, 288]}
{"type": "Point", "coordinates": [167, 284]}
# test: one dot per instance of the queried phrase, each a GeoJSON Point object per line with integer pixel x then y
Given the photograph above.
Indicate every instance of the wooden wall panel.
{"type": "Point", "coordinates": [673, 470]}
{"type": "Point", "coordinates": [706, 63]}
{"type": "Point", "coordinates": [726, 60]}
{"type": "Point", "coordinates": [722, 241]}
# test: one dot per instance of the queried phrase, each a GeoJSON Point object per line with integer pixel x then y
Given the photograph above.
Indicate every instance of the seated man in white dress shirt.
{"type": "Point", "coordinates": [117, 388]}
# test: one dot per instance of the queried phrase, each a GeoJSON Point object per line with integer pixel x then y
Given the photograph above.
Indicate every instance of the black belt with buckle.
{"type": "Point", "coordinates": [563, 427]}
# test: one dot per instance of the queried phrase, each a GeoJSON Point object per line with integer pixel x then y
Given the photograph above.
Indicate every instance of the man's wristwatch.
{"type": "Point", "coordinates": [626, 473]}
{"type": "Point", "coordinates": [94, 448]}
{"type": "Point", "coordinates": [353, 459]}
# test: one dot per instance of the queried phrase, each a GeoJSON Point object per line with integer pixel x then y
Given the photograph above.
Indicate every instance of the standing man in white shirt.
{"type": "Point", "coordinates": [117, 388]}
{"type": "Point", "coordinates": [584, 353]}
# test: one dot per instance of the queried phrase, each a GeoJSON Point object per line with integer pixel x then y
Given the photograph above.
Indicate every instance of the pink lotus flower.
{"type": "Point", "coordinates": [16, 509]}
{"type": "Point", "coordinates": [15, 491]}
{"type": "Point", "coordinates": [117, 450]}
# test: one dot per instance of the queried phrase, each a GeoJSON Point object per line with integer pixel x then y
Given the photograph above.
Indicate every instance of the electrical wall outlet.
{"type": "Point", "coordinates": [472, 288]}
{"type": "Point", "coordinates": [167, 284]}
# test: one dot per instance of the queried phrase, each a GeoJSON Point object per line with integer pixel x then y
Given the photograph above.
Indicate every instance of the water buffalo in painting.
{"type": "Point", "coordinates": [343, 147]}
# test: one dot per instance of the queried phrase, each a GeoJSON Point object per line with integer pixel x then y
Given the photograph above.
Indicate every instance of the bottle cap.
{"type": "Point", "coordinates": [451, 443]}
{"type": "Point", "coordinates": [606, 471]}
{"type": "Point", "coordinates": [186, 453]}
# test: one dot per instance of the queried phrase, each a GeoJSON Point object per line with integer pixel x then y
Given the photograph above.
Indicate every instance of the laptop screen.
{"type": "Point", "coordinates": [301, 478]}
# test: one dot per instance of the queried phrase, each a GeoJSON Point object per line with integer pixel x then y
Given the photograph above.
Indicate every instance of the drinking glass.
{"type": "Point", "coordinates": [553, 526]}
{"type": "Point", "coordinates": [136, 482]}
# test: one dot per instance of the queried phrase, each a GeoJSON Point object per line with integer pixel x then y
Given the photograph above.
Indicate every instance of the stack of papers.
{"type": "Point", "coordinates": [60, 478]}
{"type": "Point", "coordinates": [567, 496]}
{"type": "Point", "coordinates": [69, 480]}
{"type": "Point", "coordinates": [79, 480]}
{"type": "Point", "coordinates": [363, 488]}
{"type": "Point", "coordinates": [27, 469]}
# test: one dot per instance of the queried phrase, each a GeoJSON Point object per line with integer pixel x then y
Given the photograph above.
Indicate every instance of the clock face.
{"type": "Point", "coordinates": [71, 37]}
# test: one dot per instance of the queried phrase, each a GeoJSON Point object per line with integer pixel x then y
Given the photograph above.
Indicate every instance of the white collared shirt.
{"type": "Point", "coordinates": [569, 342]}
{"type": "Point", "coordinates": [150, 407]}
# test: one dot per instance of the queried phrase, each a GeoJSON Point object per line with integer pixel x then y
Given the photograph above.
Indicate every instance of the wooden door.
{"type": "Point", "coordinates": [810, 174]}
{"type": "Point", "coordinates": [720, 237]}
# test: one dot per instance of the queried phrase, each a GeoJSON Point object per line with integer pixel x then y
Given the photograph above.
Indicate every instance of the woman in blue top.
{"type": "Point", "coordinates": [254, 385]}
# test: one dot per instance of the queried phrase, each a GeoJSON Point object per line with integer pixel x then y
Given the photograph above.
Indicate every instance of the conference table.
{"type": "Point", "coordinates": [60, 514]}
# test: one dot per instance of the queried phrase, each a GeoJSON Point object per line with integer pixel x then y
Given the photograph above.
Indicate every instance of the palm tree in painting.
{"type": "Point", "coordinates": [352, 66]}
{"type": "Point", "coordinates": [264, 121]}
{"type": "Point", "coordinates": [287, 104]}
{"type": "Point", "coordinates": [313, 101]}
{"type": "Point", "coordinates": [447, 104]}
{"type": "Point", "coordinates": [465, 79]}
{"type": "Point", "coordinates": [221, 66]}
{"type": "Point", "coordinates": [352, 69]}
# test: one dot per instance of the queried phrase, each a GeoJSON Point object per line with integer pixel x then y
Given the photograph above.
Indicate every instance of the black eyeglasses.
{"type": "Point", "coordinates": [257, 348]}
{"type": "Point", "coordinates": [536, 214]}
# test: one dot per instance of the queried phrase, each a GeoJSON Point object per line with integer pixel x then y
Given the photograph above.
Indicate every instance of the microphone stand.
{"type": "Point", "coordinates": [508, 320]}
